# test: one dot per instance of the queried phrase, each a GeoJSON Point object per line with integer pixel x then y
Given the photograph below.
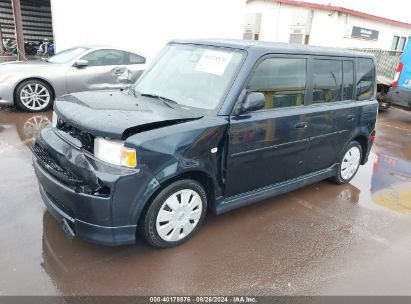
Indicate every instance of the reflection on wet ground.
{"type": "Point", "coordinates": [25, 125]}
{"type": "Point", "coordinates": [391, 183]}
{"type": "Point", "coordinates": [321, 239]}
{"type": "Point", "coordinates": [390, 164]}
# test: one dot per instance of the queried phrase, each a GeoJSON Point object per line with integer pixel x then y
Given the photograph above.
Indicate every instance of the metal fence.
{"type": "Point", "coordinates": [386, 61]}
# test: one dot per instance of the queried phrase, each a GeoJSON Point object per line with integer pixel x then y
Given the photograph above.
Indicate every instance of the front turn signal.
{"type": "Point", "coordinates": [128, 157]}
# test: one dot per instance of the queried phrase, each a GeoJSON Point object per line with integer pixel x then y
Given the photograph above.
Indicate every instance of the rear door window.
{"type": "Point", "coordinates": [365, 79]}
{"type": "Point", "coordinates": [327, 80]}
{"type": "Point", "coordinates": [281, 80]}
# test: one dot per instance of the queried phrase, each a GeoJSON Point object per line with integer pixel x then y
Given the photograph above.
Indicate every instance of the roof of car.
{"type": "Point", "coordinates": [277, 47]}
{"type": "Point", "coordinates": [102, 46]}
{"type": "Point", "coordinates": [97, 46]}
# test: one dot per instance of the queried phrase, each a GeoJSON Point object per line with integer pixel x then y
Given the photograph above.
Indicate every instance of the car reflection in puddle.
{"type": "Point", "coordinates": [391, 183]}
{"type": "Point", "coordinates": [26, 125]}
{"type": "Point", "coordinates": [33, 125]}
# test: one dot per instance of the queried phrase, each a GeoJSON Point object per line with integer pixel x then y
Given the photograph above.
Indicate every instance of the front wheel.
{"type": "Point", "coordinates": [349, 163]}
{"type": "Point", "coordinates": [34, 96]}
{"type": "Point", "coordinates": [175, 214]}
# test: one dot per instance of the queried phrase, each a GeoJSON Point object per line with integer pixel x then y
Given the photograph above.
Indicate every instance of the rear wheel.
{"type": "Point", "coordinates": [349, 163]}
{"type": "Point", "coordinates": [34, 96]}
{"type": "Point", "coordinates": [175, 214]}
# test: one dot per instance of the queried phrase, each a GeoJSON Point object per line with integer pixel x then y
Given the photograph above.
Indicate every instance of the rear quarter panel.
{"type": "Point", "coordinates": [136, 71]}
{"type": "Point", "coordinates": [368, 120]}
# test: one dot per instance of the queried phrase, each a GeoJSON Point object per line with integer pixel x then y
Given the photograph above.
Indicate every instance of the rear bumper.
{"type": "Point", "coordinates": [399, 96]}
{"type": "Point", "coordinates": [108, 218]}
{"type": "Point", "coordinates": [367, 153]}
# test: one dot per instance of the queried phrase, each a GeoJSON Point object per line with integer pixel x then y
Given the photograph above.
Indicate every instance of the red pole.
{"type": "Point", "coordinates": [1, 41]}
{"type": "Point", "coordinates": [21, 55]}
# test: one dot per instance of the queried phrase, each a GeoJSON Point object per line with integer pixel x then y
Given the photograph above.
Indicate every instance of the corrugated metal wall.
{"type": "Point", "coordinates": [36, 15]}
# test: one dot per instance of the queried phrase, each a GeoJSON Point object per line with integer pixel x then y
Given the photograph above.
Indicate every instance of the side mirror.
{"type": "Point", "coordinates": [253, 101]}
{"type": "Point", "coordinates": [81, 63]}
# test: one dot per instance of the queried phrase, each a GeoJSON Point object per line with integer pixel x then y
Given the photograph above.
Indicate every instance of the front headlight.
{"type": "Point", "coordinates": [114, 152]}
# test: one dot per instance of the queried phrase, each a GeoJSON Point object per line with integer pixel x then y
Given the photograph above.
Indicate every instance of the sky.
{"type": "Point", "coordinates": [392, 9]}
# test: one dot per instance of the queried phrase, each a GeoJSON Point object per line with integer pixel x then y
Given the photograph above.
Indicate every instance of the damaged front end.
{"type": "Point", "coordinates": [66, 153]}
{"type": "Point", "coordinates": [90, 175]}
{"type": "Point", "coordinates": [75, 171]}
{"type": "Point", "coordinates": [78, 189]}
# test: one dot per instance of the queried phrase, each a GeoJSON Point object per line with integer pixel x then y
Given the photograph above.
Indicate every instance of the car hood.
{"type": "Point", "coordinates": [24, 66]}
{"type": "Point", "coordinates": [116, 115]}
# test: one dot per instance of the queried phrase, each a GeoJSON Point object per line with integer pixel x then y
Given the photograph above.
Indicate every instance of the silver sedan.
{"type": "Point", "coordinates": [33, 85]}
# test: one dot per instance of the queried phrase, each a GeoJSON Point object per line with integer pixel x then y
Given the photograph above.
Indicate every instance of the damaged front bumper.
{"type": "Point", "coordinates": [99, 202]}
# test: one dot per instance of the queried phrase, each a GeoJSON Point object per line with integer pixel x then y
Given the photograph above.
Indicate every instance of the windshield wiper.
{"type": "Point", "coordinates": [165, 100]}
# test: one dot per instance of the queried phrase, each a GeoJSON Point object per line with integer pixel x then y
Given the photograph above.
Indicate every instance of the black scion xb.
{"type": "Point", "coordinates": [211, 124]}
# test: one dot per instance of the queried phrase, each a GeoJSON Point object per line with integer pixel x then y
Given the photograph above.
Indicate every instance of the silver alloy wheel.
{"type": "Point", "coordinates": [350, 162]}
{"type": "Point", "coordinates": [35, 96]}
{"type": "Point", "coordinates": [179, 215]}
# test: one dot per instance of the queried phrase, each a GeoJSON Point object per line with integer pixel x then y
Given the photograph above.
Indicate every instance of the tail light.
{"type": "Point", "coordinates": [397, 75]}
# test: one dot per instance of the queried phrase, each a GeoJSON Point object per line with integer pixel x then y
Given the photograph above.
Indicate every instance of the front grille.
{"type": "Point", "coordinates": [47, 162]}
{"type": "Point", "coordinates": [86, 139]}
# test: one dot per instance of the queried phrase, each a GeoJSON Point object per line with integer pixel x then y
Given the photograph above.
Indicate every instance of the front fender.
{"type": "Point", "coordinates": [194, 146]}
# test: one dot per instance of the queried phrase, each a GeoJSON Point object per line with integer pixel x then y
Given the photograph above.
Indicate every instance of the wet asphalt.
{"type": "Point", "coordinates": [323, 239]}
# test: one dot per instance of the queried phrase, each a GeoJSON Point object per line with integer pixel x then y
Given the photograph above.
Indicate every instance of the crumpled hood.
{"type": "Point", "coordinates": [116, 115]}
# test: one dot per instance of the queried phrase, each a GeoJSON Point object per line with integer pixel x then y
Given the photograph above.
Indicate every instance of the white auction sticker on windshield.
{"type": "Point", "coordinates": [213, 62]}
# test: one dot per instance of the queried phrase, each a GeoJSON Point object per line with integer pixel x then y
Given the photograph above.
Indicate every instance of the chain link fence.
{"type": "Point", "coordinates": [386, 61]}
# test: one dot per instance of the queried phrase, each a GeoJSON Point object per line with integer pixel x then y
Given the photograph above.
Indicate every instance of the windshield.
{"type": "Point", "coordinates": [191, 75]}
{"type": "Point", "coordinates": [66, 55]}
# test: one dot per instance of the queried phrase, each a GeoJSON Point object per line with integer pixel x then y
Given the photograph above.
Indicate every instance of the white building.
{"type": "Point", "coordinates": [323, 25]}
{"type": "Point", "coordinates": [144, 25]}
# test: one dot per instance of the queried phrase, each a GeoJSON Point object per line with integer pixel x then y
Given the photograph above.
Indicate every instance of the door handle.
{"type": "Point", "coordinates": [118, 71]}
{"type": "Point", "coordinates": [301, 125]}
{"type": "Point", "coordinates": [350, 117]}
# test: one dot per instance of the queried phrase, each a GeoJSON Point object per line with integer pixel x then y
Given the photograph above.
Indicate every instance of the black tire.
{"type": "Point", "coordinates": [20, 105]}
{"type": "Point", "coordinates": [338, 178]}
{"type": "Point", "coordinates": [147, 224]}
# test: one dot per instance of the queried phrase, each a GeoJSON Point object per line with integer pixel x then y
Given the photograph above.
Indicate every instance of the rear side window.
{"type": "Point", "coordinates": [327, 80]}
{"type": "Point", "coordinates": [365, 79]}
{"type": "Point", "coordinates": [135, 59]}
{"type": "Point", "coordinates": [281, 80]}
{"type": "Point", "coordinates": [348, 80]}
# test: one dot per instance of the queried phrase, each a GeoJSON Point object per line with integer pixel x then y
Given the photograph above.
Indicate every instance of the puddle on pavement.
{"type": "Point", "coordinates": [391, 183]}
{"type": "Point", "coordinates": [19, 128]}
{"type": "Point", "coordinates": [385, 183]}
